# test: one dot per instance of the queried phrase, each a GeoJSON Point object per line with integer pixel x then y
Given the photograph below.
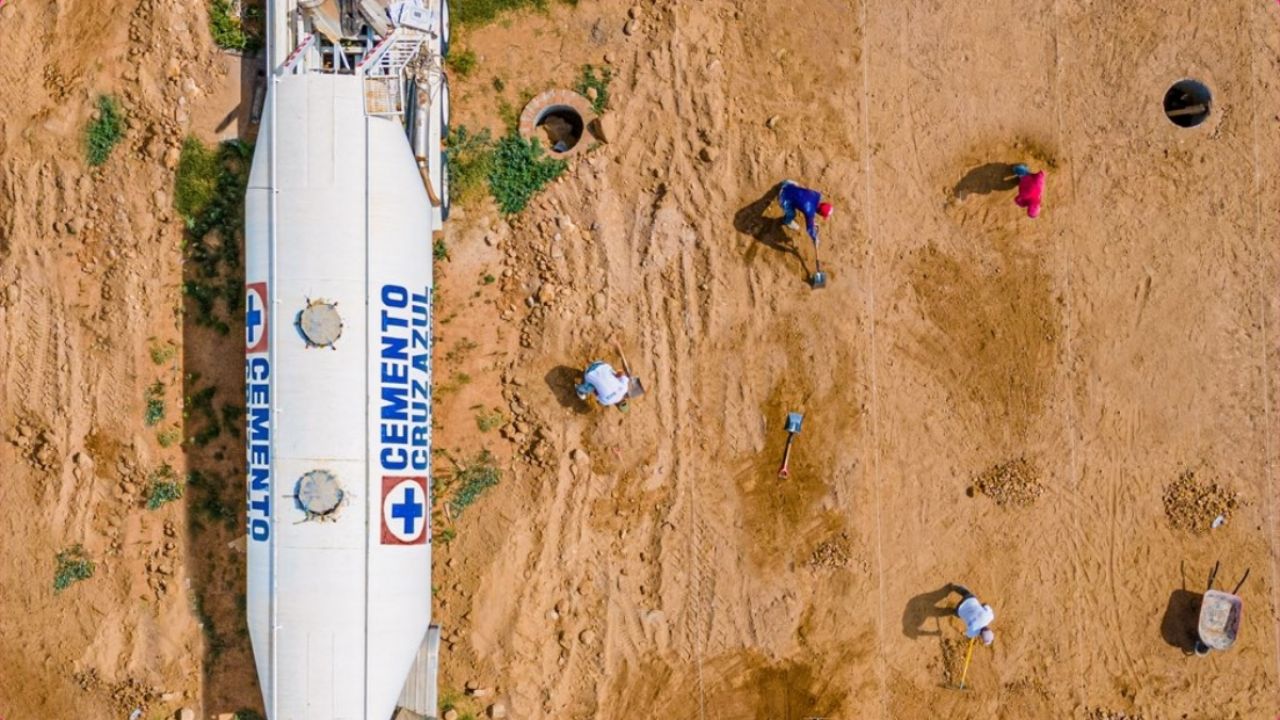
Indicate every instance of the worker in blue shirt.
{"type": "Point", "coordinates": [793, 197]}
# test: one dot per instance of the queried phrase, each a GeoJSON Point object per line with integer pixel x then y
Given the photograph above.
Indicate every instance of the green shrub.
{"type": "Point", "coordinates": [472, 479]}
{"type": "Point", "coordinates": [163, 487]}
{"type": "Point", "coordinates": [588, 79]}
{"type": "Point", "coordinates": [169, 437]}
{"type": "Point", "coordinates": [478, 12]}
{"type": "Point", "coordinates": [519, 172]}
{"type": "Point", "coordinates": [439, 250]}
{"type": "Point", "coordinates": [155, 404]}
{"type": "Point", "coordinates": [488, 420]}
{"type": "Point", "coordinates": [105, 131]}
{"type": "Point", "coordinates": [209, 194]}
{"type": "Point", "coordinates": [470, 158]}
{"type": "Point", "coordinates": [73, 565]}
{"type": "Point", "coordinates": [229, 32]}
{"type": "Point", "coordinates": [196, 181]}
{"type": "Point", "coordinates": [462, 62]}
{"type": "Point", "coordinates": [162, 353]}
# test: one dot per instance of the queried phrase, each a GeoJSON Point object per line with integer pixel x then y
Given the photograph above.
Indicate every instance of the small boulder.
{"type": "Point", "coordinates": [186, 714]}
{"type": "Point", "coordinates": [604, 128]}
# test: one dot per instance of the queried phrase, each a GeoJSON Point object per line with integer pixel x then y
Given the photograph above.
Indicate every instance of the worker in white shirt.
{"type": "Point", "coordinates": [977, 618]}
{"type": "Point", "coordinates": [608, 385]}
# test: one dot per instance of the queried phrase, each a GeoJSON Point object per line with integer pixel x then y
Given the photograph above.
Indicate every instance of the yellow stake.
{"type": "Point", "coordinates": [967, 656]}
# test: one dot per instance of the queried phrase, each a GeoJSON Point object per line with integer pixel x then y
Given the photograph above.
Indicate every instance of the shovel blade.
{"type": "Point", "coordinates": [819, 280]}
{"type": "Point", "coordinates": [637, 388]}
{"type": "Point", "coordinates": [794, 420]}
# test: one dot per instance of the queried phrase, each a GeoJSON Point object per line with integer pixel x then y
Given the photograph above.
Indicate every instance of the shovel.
{"type": "Point", "coordinates": [819, 278]}
{"type": "Point", "coordinates": [964, 674]}
{"type": "Point", "coordinates": [636, 388]}
{"type": "Point", "coordinates": [794, 420]}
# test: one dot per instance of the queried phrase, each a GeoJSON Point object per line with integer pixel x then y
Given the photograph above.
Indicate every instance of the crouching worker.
{"type": "Point", "coordinates": [977, 617]}
{"type": "Point", "coordinates": [609, 386]}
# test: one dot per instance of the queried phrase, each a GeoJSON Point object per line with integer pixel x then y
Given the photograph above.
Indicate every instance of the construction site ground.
{"type": "Point", "coordinates": [1051, 412]}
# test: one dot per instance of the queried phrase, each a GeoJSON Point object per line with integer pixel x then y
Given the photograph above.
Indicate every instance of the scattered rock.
{"type": "Point", "coordinates": [171, 158]}
{"type": "Point", "coordinates": [186, 714]}
{"type": "Point", "coordinates": [630, 27]}
{"type": "Point", "coordinates": [593, 94]}
{"type": "Point", "coordinates": [831, 554]}
{"type": "Point", "coordinates": [772, 122]}
{"type": "Point", "coordinates": [708, 154]}
{"type": "Point", "coordinates": [1015, 483]}
{"type": "Point", "coordinates": [1193, 505]}
{"type": "Point", "coordinates": [497, 710]}
{"type": "Point", "coordinates": [587, 636]}
{"type": "Point", "coordinates": [633, 12]}
{"type": "Point", "coordinates": [450, 714]}
{"type": "Point", "coordinates": [547, 293]}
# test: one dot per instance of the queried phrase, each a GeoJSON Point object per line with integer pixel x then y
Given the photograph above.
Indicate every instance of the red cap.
{"type": "Point", "coordinates": [825, 209]}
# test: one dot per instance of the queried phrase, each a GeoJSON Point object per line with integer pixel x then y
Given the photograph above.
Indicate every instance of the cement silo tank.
{"type": "Point", "coordinates": [338, 321]}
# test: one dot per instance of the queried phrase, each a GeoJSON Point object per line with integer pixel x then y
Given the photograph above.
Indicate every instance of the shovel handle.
{"type": "Point", "coordinates": [784, 472]}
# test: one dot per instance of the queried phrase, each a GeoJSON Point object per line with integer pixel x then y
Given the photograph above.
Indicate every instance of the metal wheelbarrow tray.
{"type": "Point", "coordinates": [1220, 614]}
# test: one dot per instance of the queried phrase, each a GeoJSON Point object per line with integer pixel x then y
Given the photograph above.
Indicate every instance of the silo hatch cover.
{"type": "Point", "coordinates": [319, 494]}
{"type": "Point", "coordinates": [320, 324]}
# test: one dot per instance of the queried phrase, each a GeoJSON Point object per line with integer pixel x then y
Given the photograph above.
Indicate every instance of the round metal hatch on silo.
{"type": "Point", "coordinates": [319, 494]}
{"type": "Point", "coordinates": [320, 323]}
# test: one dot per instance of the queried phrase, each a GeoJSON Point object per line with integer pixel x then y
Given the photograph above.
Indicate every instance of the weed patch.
{"type": "Point", "coordinates": [488, 420]}
{"type": "Point", "coordinates": [155, 404]}
{"type": "Point", "coordinates": [519, 172]}
{"type": "Point", "coordinates": [478, 12]}
{"type": "Point", "coordinates": [200, 405]}
{"type": "Point", "coordinates": [169, 437]}
{"type": "Point", "coordinates": [472, 480]}
{"type": "Point", "coordinates": [209, 194]}
{"type": "Point", "coordinates": [73, 565]}
{"type": "Point", "coordinates": [163, 487]}
{"type": "Point", "coordinates": [105, 131]}
{"type": "Point", "coordinates": [470, 159]}
{"type": "Point", "coordinates": [206, 501]}
{"type": "Point", "coordinates": [231, 32]}
{"type": "Point", "coordinates": [460, 350]}
{"type": "Point", "coordinates": [162, 353]}
{"type": "Point", "coordinates": [589, 80]}
{"type": "Point", "coordinates": [462, 62]}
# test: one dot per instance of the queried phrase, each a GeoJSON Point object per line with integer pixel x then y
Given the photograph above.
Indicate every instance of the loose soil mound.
{"type": "Point", "coordinates": [1014, 483]}
{"type": "Point", "coordinates": [1191, 504]}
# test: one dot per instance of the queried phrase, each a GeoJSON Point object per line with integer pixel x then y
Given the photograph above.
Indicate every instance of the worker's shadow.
{"type": "Point", "coordinates": [1181, 624]}
{"type": "Point", "coordinates": [754, 222]}
{"type": "Point", "coordinates": [924, 606]}
{"type": "Point", "coordinates": [563, 381]}
{"type": "Point", "coordinates": [985, 179]}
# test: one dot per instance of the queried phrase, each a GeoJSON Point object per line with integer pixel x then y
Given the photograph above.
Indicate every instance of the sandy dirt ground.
{"type": "Point", "coordinates": [91, 266]}
{"type": "Point", "coordinates": [651, 565]}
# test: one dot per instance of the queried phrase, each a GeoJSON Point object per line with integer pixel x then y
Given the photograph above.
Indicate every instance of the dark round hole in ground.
{"type": "Point", "coordinates": [562, 125]}
{"type": "Point", "coordinates": [1187, 104]}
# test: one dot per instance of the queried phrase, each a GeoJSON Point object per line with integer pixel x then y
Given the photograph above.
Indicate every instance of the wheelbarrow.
{"type": "Point", "coordinates": [1220, 614]}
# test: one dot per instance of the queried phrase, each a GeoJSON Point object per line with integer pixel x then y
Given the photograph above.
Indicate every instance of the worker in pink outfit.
{"type": "Point", "coordinates": [1030, 189]}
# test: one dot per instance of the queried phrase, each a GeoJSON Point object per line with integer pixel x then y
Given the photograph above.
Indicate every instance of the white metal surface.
{"type": "Point", "coordinates": [336, 209]}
